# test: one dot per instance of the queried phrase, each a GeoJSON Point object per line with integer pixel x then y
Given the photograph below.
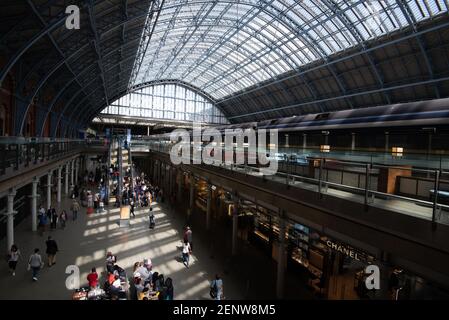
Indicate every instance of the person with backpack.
{"type": "Point", "coordinates": [216, 288]}
{"type": "Point", "coordinates": [13, 258]}
{"type": "Point", "coordinates": [35, 263]}
{"type": "Point", "coordinates": [75, 208]}
{"type": "Point", "coordinates": [52, 249]}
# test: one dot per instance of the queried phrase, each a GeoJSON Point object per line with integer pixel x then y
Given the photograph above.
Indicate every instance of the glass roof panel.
{"type": "Point", "coordinates": [225, 46]}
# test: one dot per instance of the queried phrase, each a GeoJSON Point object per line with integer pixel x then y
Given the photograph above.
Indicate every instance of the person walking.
{"type": "Point", "coordinates": [188, 237]}
{"type": "Point", "coordinates": [13, 258]}
{"type": "Point", "coordinates": [63, 219]}
{"type": "Point", "coordinates": [186, 253]}
{"type": "Point", "coordinates": [152, 221]}
{"type": "Point", "coordinates": [132, 208]}
{"type": "Point", "coordinates": [75, 208]}
{"type": "Point", "coordinates": [52, 249]}
{"type": "Point", "coordinates": [35, 263]}
{"type": "Point", "coordinates": [216, 287]}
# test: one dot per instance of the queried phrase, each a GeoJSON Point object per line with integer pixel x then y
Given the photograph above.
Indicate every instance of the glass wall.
{"type": "Point", "coordinates": [167, 101]}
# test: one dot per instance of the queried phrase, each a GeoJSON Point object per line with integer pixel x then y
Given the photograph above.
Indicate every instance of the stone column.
{"type": "Point", "coordinates": [353, 141]}
{"type": "Point", "coordinates": [180, 176]}
{"type": "Point", "coordinates": [192, 191]}
{"type": "Point", "coordinates": [235, 217]}
{"type": "Point", "coordinates": [10, 219]}
{"type": "Point", "coordinates": [72, 173]}
{"type": "Point", "coordinates": [208, 205]}
{"type": "Point", "coordinates": [281, 258]}
{"type": "Point", "coordinates": [387, 141]}
{"type": "Point", "coordinates": [304, 141]}
{"type": "Point", "coordinates": [66, 179]}
{"type": "Point", "coordinates": [77, 164]}
{"type": "Point", "coordinates": [59, 186]}
{"type": "Point", "coordinates": [34, 197]}
{"type": "Point", "coordinates": [49, 190]}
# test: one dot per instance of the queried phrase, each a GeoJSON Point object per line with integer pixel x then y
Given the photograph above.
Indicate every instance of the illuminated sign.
{"type": "Point", "coordinates": [346, 250]}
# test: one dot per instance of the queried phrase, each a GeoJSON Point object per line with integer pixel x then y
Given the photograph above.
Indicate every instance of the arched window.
{"type": "Point", "coordinates": [168, 101]}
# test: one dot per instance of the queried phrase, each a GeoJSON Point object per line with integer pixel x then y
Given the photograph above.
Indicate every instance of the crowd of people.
{"type": "Point", "coordinates": [35, 261]}
{"type": "Point", "coordinates": [145, 283]}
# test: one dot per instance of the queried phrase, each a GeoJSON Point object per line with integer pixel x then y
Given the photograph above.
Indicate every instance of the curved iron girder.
{"type": "Point", "coordinates": [46, 31]}
{"type": "Point", "coordinates": [356, 35]}
{"type": "Point", "coordinates": [85, 70]}
{"type": "Point", "coordinates": [94, 112]}
{"type": "Point", "coordinates": [90, 67]}
{"type": "Point", "coordinates": [58, 21]}
{"type": "Point", "coordinates": [408, 85]}
{"type": "Point", "coordinates": [68, 104]}
{"type": "Point", "coordinates": [405, 8]}
{"type": "Point", "coordinates": [343, 58]}
{"type": "Point", "coordinates": [303, 34]}
{"type": "Point", "coordinates": [87, 84]}
{"type": "Point", "coordinates": [64, 61]}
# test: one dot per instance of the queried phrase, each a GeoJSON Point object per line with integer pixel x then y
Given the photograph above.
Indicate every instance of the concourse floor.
{"type": "Point", "coordinates": [86, 241]}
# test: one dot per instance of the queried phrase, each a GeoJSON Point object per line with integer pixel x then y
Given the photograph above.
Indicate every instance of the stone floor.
{"type": "Point", "coordinates": [84, 243]}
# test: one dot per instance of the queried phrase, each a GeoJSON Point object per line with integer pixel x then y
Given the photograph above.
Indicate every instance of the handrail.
{"type": "Point", "coordinates": [366, 191]}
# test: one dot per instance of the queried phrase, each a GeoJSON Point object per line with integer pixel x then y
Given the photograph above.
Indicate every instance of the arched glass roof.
{"type": "Point", "coordinates": [167, 101]}
{"type": "Point", "coordinates": [223, 47]}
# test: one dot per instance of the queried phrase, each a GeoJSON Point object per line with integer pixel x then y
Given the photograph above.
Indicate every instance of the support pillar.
{"type": "Point", "coordinates": [235, 217]}
{"type": "Point", "coordinates": [34, 197]}
{"type": "Point", "coordinates": [208, 205]}
{"type": "Point", "coordinates": [387, 141]}
{"type": "Point", "coordinates": [49, 190]}
{"type": "Point", "coordinates": [304, 141]}
{"type": "Point", "coordinates": [353, 141]}
{"type": "Point", "coordinates": [281, 258]}
{"type": "Point", "coordinates": [66, 179]}
{"type": "Point", "coordinates": [59, 186]}
{"type": "Point", "coordinates": [192, 191]}
{"type": "Point", "coordinates": [120, 169]}
{"type": "Point", "coordinates": [10, 218]}
{"type": "Point", "coordinates": [77, 164]}
{"type": "Point", "coordinates": [180, 176]}
{"type": "Point", "coordinates": [72, 173]}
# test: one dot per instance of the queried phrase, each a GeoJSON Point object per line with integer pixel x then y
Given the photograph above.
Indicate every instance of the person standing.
{"type": "Point", "coordinates": [35, 263]}
{"type": "Point", "coordinates": [168, 289]}
{"type": "Point", "coordinates": [43, 221]}
{"type": "Point", "coordinates": [75, 208]}
{"type": "Point", "coordinates": [92, 278]}
{"type": "Point", "coordinates": [186, 253]}
{"type": "Point", "coordinates": [53, 218]}
{"type": "Point", "coordinates": [52, 249]}
{"type": "Point", "coordinates": [13, 257]}
{"type": "Point", "coordinates": [63, 219]}
{"type": "Point", "coordinates": [217, 288]}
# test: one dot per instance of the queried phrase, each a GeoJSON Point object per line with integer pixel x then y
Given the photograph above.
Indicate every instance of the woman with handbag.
{"type": "Point", "coordinates": [13, 257]}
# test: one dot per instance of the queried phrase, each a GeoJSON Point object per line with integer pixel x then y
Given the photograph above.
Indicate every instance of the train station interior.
{"type": "Point", "coordinates": [224, 150]}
